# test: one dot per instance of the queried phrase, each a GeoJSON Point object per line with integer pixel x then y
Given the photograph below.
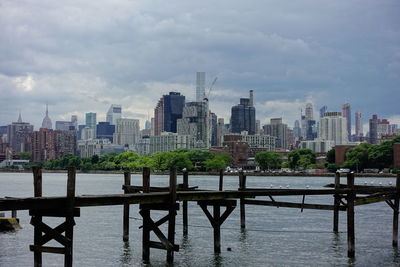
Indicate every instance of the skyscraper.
{"type": "Point", "coordinates": [173, 108]}
{"type": "Point", "coordinates": [46, 120]}
{"type": "Point", "coordinates": [322, 111]}
{"type": "Point", "coordinates": [195, 122]}
{"type": "Point", "coordinates": [359, 125]}
{"type": "Point", "coordinates": [346, 113]}
{"type": "Point", "coordinates": [373, 129]}
{"type": "Point", "coordinates": [91, 121]}
{"type": "Point", "coordinates": [243, 116]}
{"type": "Point", "coordinates": [126, 132]}
{"type": "Point", "coordinates": [309, 112]}
{"type": "Point", "coordinates": [17, 132]}
{"type": "Point", "coordinates": [200, 86]}
{"type": "Point", "coordinates": [113, 114]}
{"type": "Point", "coordinates": [159, 117]}
{"type": "Point", "coordinates": [279, 130]}
{"type": "Point", "coordinates": [333, 127]}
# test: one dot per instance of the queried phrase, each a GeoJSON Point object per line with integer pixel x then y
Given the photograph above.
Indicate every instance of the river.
{"type": "Point", "coordinates": [273, 236]}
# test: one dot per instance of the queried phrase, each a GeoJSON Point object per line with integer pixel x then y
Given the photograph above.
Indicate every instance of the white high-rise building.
{"type": "Point", "coordinates": [126, 132]}
{"type": "Point", "coordinates": [200, 86]}
{"type": "Point", "coordinates": [113, 114]}
{"type": "Point", "coordinates": [359, 126]}
{"type": "Point", "coordinates": [333, 126]}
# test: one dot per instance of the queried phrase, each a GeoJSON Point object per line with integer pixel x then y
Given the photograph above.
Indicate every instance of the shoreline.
{"type": "Point", "coordinates": [375, 175]}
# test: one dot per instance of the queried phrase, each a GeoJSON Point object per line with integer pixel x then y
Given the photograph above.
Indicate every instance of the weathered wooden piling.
{"type": "Point", "coordinates": [68, 211]}
{"type": "Point", "coordinates": [336, 204]}
{"type": "Point", "coordinates": [185, 203]}
{"type": "Point", "coordinates": [242, 187]}
{"type": "Point", "coordinates": [350, 216]}
{"type": "Point", "coordinates": [396, 213]}
{"type": "Point", "coordinates": [172, 214]}
{"type": "Point", "coordinates": [146, 216]}
{"type": "Point", "coordinates": [221, 180]}
{"type": "Point", "coordinates": [127, 182]}
{"type": "Point", "coordinates": [37, 233]}
{"type": "Point", "coordinates": [69, 219]}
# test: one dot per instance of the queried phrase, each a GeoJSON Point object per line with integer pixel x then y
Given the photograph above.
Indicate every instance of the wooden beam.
{"type": "Point", "coordinates": [336, 204]}
{"type": "Point", "coordinates": [291, 205]}
{"type": "Point", "coordinates": [125, 233]}
{"type": "Point", "coordinates": [40, 249]}
{"type": "Point", "coordinates": [350, 216]}
{"type": "Point", "coordinates": [185, 203]}
{"type": "Point", "coordinates": [396, 214]}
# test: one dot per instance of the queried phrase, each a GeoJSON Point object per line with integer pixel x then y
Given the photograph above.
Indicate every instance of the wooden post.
{"type": "Point", "coordinates": [396, 213]}
{"type": "Point", "coordinates": [127, 181]}
{"type": "Point", "coordinates": [242, 186]}
{"type": "Point", "coordinates": [185, 204]}
{"type": "Point", "coordinates": [221, 179]}
{"type": "Point", "coordinates": [146, 215]}
{"type": "Point", "coordinates": [336, 204]}
{"type": "Point", "coordinates": [13, 214]}
{"type": "Point", "coordinates": [350, 216]}
{"type": "Point", "coordinates": [37, 236]}
{"type": "Point", "coordinates": [69, 232]}
{"type": "Point", "coordinates": [172, 212]}
{"type": "Point", "coordinates": [217, 228]}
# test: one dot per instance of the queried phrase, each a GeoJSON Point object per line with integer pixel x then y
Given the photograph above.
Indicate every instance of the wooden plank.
{"type": "Point", "coordinates": [159, 245]}
{"type": "Point", "coordinates": [54, 212]}
{"type": "Point", "coordinates": [47, 237]}
{"type": "Point", "coordinates": [159, 206]}
{"type": "Point", "coordinates": [40, 249]}
{"type": "Point", "coordinates": [220, 202]}
{"type": "Point", "coordinates": [50, 232]}
{"type": "Point", "coordinates": [370, 200]}
{"type": "Point", "coordinates": [119, 199]}
{"type": "Point", "coordinates": [291, 205]}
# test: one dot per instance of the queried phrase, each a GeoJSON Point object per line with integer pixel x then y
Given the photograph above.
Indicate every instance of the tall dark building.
{"type": "Point", "coordinates": [173, 108]}
{"type": "Point", "coordinates": [105, 130]}
{"type": "Point", "coordinates": [373, 129]}
{"type": "Point", "coordinates": [311, 130]}
{"type": "Point", "coordinates": [214, 122]}
{"type": "Point", "coordinates": [243, 117]}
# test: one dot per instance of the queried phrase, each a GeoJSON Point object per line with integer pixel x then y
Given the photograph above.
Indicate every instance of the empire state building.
{"type": "Point", "coordinates": [46, 120]}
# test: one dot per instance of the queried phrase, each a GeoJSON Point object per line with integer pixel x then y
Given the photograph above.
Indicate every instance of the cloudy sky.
{"type": "Point", "coordinates": [82, 56]}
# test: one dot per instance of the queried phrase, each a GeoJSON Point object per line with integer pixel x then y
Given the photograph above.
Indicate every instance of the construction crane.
{"type": "Point", "coordinates": [211, 86]}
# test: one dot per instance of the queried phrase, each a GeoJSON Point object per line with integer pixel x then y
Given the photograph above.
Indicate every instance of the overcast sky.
{"type": "Point", "coordinates": [82, 57]}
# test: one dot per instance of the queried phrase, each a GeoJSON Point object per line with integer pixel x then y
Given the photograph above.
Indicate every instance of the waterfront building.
{"type": "Point", "coordinates": [243, 116]}
{"type": "Point", "coordinates": [113, 114]}
{"type": "Point", "coordinates": [126, 132]}
{"type": "Point", "coordinates": [322, 111]}
{"type": "Point", "coordinates": [142, 147]}
{"type": "Point", "coordinates": [105, 130]}
{"type": "Point", "coordinates": [171, 141]}
{"type": "Point", "coordinates": [279, 130]}
{"type": "Point", "coordinates": [89, 148]}
{"type": "Point", "coordinates": [48, 144]}
{"type": "Point", "coordinates": [46, 123]}
{"type": "Point", "coordinates": [222, 129]}
{"type": "Point", "coordinates": [87, 133]}
{"type": "Point", "coordinates": [17, 132]}
{"type": "Point", "coordinates": [317, 145]}
{"type": "Point", "coordinates": [333, 126]}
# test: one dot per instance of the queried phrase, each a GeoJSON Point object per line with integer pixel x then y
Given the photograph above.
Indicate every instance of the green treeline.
{"type": "Point", "coordinates": [198, 160]}
{"type": "Point", "coordinates": [366, 156]}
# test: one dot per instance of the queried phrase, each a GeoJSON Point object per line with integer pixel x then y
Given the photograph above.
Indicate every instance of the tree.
{"type": "Point", "coordinates": [159, 160]}
{"type": "Point", "coordinates": [197, 157]}
{"type": "Point", "coordinates": [330, 156]}
{"type": "Point", "coordinates": [25, 155]}
{"type": "Point", "coordinates": [357, 157]}
{"type": "Point", "coordinates": [268, 160]}
{"type": "Point", "coordinates": [301, 158]}
{"type": "Point", "coordinates": [381, 156]}
{"type": "Point", "coordinates": [179, 161]}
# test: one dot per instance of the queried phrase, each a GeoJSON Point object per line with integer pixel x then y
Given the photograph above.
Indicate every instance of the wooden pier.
{"type": "Point", "coordinates": [345, 198]}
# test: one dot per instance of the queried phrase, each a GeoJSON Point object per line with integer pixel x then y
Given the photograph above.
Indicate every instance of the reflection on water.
{"type": "Point", "coordinates": [126, 256]}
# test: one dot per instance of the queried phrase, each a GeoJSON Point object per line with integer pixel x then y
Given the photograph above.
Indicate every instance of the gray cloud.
{"type": "Point", "coordinates": [82, 57]}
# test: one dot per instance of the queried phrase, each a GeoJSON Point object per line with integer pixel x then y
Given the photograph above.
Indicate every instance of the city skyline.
{"type": "Point", "coordinates": [131, 54]}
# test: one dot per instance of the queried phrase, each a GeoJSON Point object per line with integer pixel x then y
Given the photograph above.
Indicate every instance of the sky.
{"type": "Point", "coordinates": [83, 56]}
